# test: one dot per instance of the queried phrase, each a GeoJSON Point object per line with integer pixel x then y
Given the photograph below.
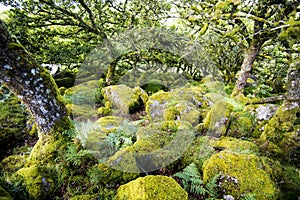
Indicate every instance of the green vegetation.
{"type": "Point", "coordinates": [144, 96]}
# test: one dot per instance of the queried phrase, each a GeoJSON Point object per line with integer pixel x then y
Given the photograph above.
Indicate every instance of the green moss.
{"type": "Point", "coordinates": [12, 119]}
{"type": "Point", "coordinates": [81, 111]}
{"type": "Point", "coordinates": [282, 129]}
{"type": "Point", "coordinates": [236, 145]}
{"type": "Point", "coordinates": [65, 82]}
{"type": "Point", "coordinates": [217, 119]}
{"type": "Point", "coordinates": [290, 187]}
{"type": "Point", "coordinates": [38, 183]}
{"type": "Point", "coordinates": [244, 173]}
{"type": "Point", "coordinates": [151, 187]}
{"type": "Point", "coordinates": [85, 197]}
{"type": "Point", "coordinates": [199, 151]}
{"type": "Point", "coordinates": [13, 163]}
{"type": "Point", "coordinates": [114, 177]}
{"type": "Point", "coordinates": [124, 99]}
{"type": "Point", "coordinates": [157, 145]}
{"type": "Point", "coordinates": [184, 111]}
{"type": "Point", "coordinates": [241, 124]}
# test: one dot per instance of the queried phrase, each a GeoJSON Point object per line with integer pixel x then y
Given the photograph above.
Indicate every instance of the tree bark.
{"type": "Point", "coordinates": [246, 67]}
{"type": "Point", "coordinates": [31, 83]}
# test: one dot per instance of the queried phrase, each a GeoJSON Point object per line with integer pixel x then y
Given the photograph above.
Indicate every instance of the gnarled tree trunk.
{"type": "Point", "coordinates": [31, 83]}
{"type": "Point", "coordinates": [246, 67]}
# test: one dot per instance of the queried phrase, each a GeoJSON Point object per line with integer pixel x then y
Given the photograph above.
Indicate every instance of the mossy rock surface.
{"type": "Point", "coordinates": [283, 130]}
{"type": "Point", "coordinates": [123, 99]}
{"type": "Point", "coordinates": [157, 145]}
{"type": "Point", "coordinates": [38, 182]}
{"type": "Point", "coordinates": [241, 125]}
{"type": "Point", "coordinates": [152, 187]}
{"type": "Point", "coordinates": [236, 145]}
{"type": "Point", "coordinates": [187, 104]}
{"type": "Point", "coordinates": [218, 118]}
{"type": "Point", "coordinates": [244, 173]}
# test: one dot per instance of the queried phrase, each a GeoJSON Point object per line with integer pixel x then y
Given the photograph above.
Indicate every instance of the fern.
{"type": "Point", "coordinates": [192, 182]}
{"type": "Point", "coordinates": [249, 196]}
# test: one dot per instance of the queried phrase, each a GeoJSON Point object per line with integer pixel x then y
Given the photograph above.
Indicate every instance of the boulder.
{"type": "Point", "coordinates": [244, 173]}
{"type": "Point", "coordinates": [151, 187]}
{"type": "Point", "coordinates": [123, 99]}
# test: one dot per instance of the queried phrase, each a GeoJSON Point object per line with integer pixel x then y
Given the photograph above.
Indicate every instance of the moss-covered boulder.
{"type": "Point", "coordinates": [241, 125]}
{"type": "Point", "coordinates": [151, 187]}
{"type": "Point", "coordinates": [157, 145]}
{"type": "Point", "coordinates": [218, 118]}
{"type": "Point", "coordinates": [235, 145]}
{"type": "Point", "coordinates": [123, 99]}
{"type": "Point", "coordinates": [4, 195]}
{"type": "Point", "coordinates": [244, 173]}
{"type": "Point", "coordinates": [283, 129]}
{"type": "Point", "coordinates": [38, 181]}
{"type": "Point", "coordinates": [187, 104]}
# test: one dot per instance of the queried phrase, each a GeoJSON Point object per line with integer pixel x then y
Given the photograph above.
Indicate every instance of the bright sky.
{"type": "Point", "coordinates": [3, 8]}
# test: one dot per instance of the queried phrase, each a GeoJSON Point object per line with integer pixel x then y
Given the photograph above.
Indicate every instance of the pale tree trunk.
{"type": "Point", "coordinates": [38, 91]}
{"type": "Point", "coordinates": [250, 56]}
{"type": "Point", "coordinates": [31, 83]}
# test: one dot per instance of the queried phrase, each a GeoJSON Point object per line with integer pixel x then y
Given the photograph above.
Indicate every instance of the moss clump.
{"type": "Point", "coordinates": [151, 187]}
{"type": "Point", "coordinates": [12, 118]}
{"type": "Point", "coordinates": [244, 173]}
{"type": "Point", "coordinates": [236, 145]}
{"type": "Point", "coordinates": [38, 182]}
{"type": "Point", "coordinates": [13, 163]}
{"type": "Point", "coordinates": [182, 110]}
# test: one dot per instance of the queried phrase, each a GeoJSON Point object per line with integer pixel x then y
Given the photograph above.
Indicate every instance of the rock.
{"type": "Point", "coordinates": [244, 173]}
{"type": "Point", "coordinates": [265, 112]}
{"type": "Point", "coordinates": [151, 187]}
{"type": "Point", "coordinates": [38, 182]}
{"type": "Point", "coordinates": [283, 129]}
{"type": "Point", "coordinates": [157, 145]}
{"type": "Point", "coordinates": [217, 119]}
{"type": "Point", "coordinates": [123, 99]}
{"type": "Point", "coordinates": [236, 145]}
{"type": "Point", "coordinates": [186, 104]}
{"type": "Point", "coordinates": [241, 124]}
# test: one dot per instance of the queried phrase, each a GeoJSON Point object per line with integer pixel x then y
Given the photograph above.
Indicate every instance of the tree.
{"type": "Point", "coordinates": [36, 89]}
{"type": "Point", "coordinates": [65, 31]}
{"type": "Point", "coordinates": [249, 23]}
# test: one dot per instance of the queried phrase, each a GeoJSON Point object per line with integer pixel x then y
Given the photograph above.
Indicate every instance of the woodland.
{"type": "Point", "coordinates": [150, 100]}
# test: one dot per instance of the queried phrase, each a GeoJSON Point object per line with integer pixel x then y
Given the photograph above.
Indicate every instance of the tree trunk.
{"type": "Point", "coordinates": [246, 67]}
{"type": "Point", "coordinates": [31, 83]}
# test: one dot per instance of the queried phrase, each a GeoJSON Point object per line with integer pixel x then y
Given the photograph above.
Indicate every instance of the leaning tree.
{"type": "Point", "coordinates": [34, 86]}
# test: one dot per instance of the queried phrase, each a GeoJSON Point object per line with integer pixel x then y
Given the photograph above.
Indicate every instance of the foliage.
{"type": "Point", "coordinates": [192, 182]}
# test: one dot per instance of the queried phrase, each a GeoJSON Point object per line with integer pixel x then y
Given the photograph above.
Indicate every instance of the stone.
{"type": "Point", "coordinates": [152, 187]}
